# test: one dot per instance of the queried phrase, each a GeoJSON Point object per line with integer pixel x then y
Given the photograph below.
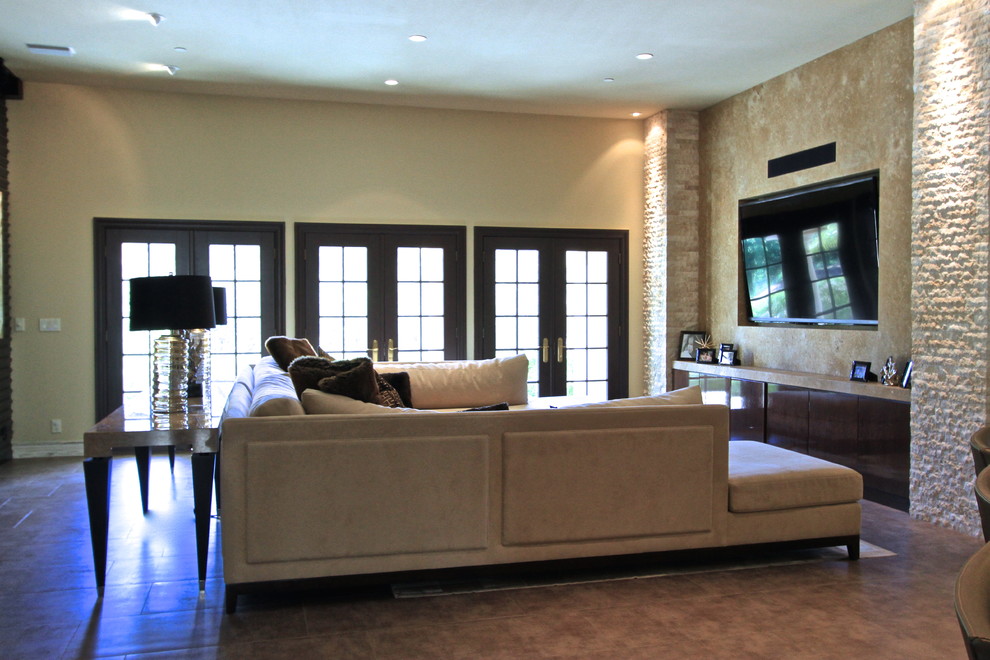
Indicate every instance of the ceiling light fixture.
{"type": "Point", "coordinates": [392, 82]}
{"type": "Point", "coordinates": [180, 49]}
{"type": "Point", "coordinates": [418, 38]}
{"type": "Point", "coordinates": [635, 114]}
{"type": "Point", "coordinates": [155, 19]}
{"type": "Point", "coordinates": [645, 56]}
{"type": "Point", "coordinates": [42, 49]}
{"type": "Point", "coordinates": [608, 79]}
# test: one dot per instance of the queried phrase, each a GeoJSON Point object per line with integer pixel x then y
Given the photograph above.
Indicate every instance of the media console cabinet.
{"type": "Point", "coordinates": [865, 426]}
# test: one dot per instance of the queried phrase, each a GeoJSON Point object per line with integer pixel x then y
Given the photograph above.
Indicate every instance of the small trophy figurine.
{"type": "Point", "coordinates": [888, 375]}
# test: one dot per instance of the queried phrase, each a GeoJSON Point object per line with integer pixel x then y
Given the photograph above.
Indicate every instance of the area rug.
{"type": "Point", "coordinates": [641, 571]}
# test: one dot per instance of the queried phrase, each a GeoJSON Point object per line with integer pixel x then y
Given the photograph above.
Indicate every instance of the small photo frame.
{"type": "Point", "coordinates": [860, 371]}
{"type": "Point", "coordinates": [705, 355]}
{"type": "Point", "coordinates": [908, 368]}
{"type": "Point", "coordinates": [689, 343]}
{"type": "Point", "coordinates": [727, 356]}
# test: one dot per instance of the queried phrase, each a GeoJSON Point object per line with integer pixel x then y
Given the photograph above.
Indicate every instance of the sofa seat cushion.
{"type": "Point", "coordinates": [767, 478]}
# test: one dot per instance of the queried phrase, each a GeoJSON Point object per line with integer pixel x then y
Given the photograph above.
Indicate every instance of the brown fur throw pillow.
{"type": "Point", "coordinates": [353, 378]}
{"type": "Point", "coordinates": [287, 349]}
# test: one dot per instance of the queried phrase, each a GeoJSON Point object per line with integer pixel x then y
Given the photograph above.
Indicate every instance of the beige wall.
{"type": "Point", "coordinates": [81, 152]}
{"type": "Point", "coordinates": [861, 98]}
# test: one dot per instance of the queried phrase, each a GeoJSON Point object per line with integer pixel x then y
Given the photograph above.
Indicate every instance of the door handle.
{"type": "Point", "coordinates": [560, 350]}
{"type": "Point", "coordinates": [546, 350]}
{"type": "Point", "coordinates": [374, 350]}
{"type": "Point", "coordinates": [391, 351]}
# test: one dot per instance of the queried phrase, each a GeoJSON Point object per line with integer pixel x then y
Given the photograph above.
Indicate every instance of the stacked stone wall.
{"type": "Point", "coordinates": [950, 259]}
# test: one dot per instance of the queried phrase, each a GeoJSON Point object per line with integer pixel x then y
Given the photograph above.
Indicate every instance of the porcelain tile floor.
{"type": "Point", "coordinates": [893, 607]}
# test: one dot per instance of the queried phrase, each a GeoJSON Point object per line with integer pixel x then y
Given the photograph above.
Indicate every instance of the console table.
{"type": "Point", "coordinates": [138, 429]}
{"type": "Point", "coordinates": [865, 426]}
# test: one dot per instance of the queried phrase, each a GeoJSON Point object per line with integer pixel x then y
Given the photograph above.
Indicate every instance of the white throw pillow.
{"type": "Point", "coordinates": [683, 397]}
{"type": "Point", "coordinates": [464, 383]}
{"type": "Point", "coordinates": [315, 402]}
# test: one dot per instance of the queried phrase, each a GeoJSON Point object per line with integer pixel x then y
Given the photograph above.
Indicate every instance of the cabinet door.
{"type": "Point", "coordinates": [787, 417]}
{"type": "Point", "coordinates": [832, 419]}
{"type": "Point", "coordinates": [743, 397]}
{"type": "Point", "coordinates": [884, 447]}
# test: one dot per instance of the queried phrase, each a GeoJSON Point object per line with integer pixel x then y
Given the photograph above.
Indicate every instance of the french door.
{"type": "Point", "coordinates": [246, 259]}
{"type": "Point", "coordinates": [560, 297]}
{"type": "Point", "coordinates": [388, 292]}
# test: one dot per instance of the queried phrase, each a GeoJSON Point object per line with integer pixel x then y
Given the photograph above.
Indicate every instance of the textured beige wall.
{"type": "Point", "coordinates": [950, 256]}
{"type": "Point", "coordinates": [81, 152]}
{"type": "Point", "coordinates": [861, 98]}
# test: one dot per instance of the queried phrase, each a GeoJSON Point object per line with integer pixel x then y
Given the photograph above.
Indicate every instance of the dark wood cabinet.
{"type": "Point", "coordinates": [870, 434]}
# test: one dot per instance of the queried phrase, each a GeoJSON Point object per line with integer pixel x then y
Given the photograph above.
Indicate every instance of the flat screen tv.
{"type": "Point", "coordinates": [810, 255]}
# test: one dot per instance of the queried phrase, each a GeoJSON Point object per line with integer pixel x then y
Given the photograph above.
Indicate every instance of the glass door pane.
{"type": "Point", "coordinates": [343, 300]}
{"type": "Point", "coordinates": [517, 309]}
{"type": "Point", "coordinates": [140, 260]}
{"type": "Point", "coordinates": [586, 328]}
{"type": "Point", "coordinates": [236, 269]}
{"type": "Point", "coordinates": [419, 304]}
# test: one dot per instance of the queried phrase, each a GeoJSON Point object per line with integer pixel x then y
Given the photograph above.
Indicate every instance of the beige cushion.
{"type": "Point", "coordinates": [767, 478]}
{"type": "Point", "coordinates": [273, 391]}
{"type": "Point", "coordinates": [464, 383]}
{"type": "Point", "coordinates": [315, 402]}
{"type": "Point", "coordinates": [682, 397]}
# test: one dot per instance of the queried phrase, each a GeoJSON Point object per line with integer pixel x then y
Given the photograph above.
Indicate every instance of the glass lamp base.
{"type": "Point", "coordinates": [171, 374]}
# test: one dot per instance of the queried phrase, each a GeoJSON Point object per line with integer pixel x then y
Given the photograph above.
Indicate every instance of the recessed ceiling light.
{"type": "Point", "coordinates": [42, 49]}
{"type": "Point", "coordinates": [645, 56]}
{"type": "Point", "coordinates": [417, 38]}
{"type": "Point", "coordinates": [180, 49]}
{"type": "Point", "coordinates": [608, 79]}
{"type": "Point", "coordinates": [155, 19]}
{"type": "Point", "coordinates": [635, 114]}
{"type": "Point", "coordinates": [392, 81]}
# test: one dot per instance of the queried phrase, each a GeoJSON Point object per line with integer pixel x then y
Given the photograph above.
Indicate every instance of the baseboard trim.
{"type": "Point", "coordinates": [48, 450]}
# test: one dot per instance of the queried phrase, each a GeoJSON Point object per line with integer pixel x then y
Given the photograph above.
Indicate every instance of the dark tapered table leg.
{"type": "Point", "coordinates": [142, 455]}
{"type": "Point", "coordinates": [171, 459]}
{"type": "Point", "coordinates": [97, 474]}
{"type": "Point", "coordinates": [202, 473]}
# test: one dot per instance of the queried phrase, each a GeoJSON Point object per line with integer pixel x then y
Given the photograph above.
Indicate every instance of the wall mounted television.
{"type": "Point", "coordinates": [810, 255]}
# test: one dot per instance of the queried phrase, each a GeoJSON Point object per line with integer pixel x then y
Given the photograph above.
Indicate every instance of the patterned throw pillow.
{"type": "Point", "coordinates": [387, 395]}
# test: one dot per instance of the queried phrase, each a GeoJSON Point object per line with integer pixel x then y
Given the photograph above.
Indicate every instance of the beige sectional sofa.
{"type": "Point", "coordinates": [376, 491]}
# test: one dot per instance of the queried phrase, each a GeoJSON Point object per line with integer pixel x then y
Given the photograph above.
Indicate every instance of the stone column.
{"type": "Point", "coordinates": [950, 255]}
{"type": "Point", "coordinates": [672, 278]}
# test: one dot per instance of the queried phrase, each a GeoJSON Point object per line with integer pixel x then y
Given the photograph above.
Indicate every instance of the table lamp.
{"type": "Point", "coordinates": [176, 303]}
{"type": "Point", "coordinates": [200, 376]}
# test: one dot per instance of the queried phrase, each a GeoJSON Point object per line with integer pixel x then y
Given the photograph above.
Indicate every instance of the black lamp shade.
{"type": "Point", "coordinates": [175, 302]}
{"type": "Point", "coordinates": [220, 305]}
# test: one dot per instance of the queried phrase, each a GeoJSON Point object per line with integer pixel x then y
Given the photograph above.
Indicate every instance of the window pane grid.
{"type": "Point", "coordinates": [236, 269]}
{"type": "Point", "coordinates": [517, 303]}
{"type": "Point", "coordinates": [419, 303]}
{"type": "Point", "coordinates": [138, 259]}
{"type": "Point", "coordinates": [343, 300]}
{"type": "Point", "coordinates": [586, 331]}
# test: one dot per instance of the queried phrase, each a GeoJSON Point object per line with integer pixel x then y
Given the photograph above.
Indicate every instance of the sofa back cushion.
{"type": "Point", "coordinates": [273, 391]}
{"type": "Point", "coordinates": [464, 383]}
{"type": "Point", "coordinates": [315, 402]}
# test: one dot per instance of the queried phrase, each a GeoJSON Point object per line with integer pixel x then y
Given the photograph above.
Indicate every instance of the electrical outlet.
{"type": "Point", "coordinates": [56, 426]}
{"type": "Point", "coordinates": [50, 325]}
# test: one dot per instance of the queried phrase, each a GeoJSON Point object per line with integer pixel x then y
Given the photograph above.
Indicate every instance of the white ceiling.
{"type": "Point", "coordinates": [537, 56]}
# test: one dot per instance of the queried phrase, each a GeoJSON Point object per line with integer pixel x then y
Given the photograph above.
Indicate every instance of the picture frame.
{"type": "Point", "coordinates": [727, 357]}
{"type": "Point", "coordinates": [725, 347]}
{"type": "Point", "coordinates": [908, 368]}
{"type": "Point", "coordinates": [689, 345]}
{"type": "Point", "coordinates": [705, 356]}
{"type": "Point", "coordinates": [860, 371]}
